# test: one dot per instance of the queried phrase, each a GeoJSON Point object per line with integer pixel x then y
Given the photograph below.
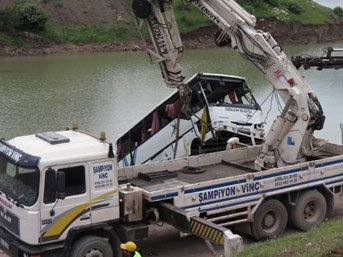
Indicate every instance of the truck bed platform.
{"type": "Point", "coordinates": [188, 175]}
{"type": "Point", "coordinates": [225, 181]}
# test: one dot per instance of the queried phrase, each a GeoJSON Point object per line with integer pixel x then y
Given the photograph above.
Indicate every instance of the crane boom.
{"type": "Point", "coordinates": [290, 139]}
{"type": "Point", "coordinates": [159, 18]}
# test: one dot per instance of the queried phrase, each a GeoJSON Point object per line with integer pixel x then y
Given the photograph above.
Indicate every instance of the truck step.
{"type": "Point", "coordinates": [229, 216]}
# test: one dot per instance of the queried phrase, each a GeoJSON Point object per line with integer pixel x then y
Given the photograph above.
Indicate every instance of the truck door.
{"type": "Point", "coordinates": [59, 216]}
{"type": "Point", "coordinates": [104, 191]}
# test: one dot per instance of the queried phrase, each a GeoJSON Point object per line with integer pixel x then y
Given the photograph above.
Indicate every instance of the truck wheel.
{"type": "Point", "coordinates": [270, 220]}
{"type": "Point", "coordinates": [309, 211]}
{"type": "Point", "coordinates": [92, 246]}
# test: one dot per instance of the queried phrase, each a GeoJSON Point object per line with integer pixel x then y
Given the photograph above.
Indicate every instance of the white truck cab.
{"type": "Point", "coordinates": [38, 171]}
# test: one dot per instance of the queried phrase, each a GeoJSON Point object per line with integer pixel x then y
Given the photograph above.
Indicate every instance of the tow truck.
{"type": "Point", "coordinates": [63, 195]}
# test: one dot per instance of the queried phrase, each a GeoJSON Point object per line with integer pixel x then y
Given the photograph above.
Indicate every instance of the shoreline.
{"type": "Point", "coordinates": [202, 38]}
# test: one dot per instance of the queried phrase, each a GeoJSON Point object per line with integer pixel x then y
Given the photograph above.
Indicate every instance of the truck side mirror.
{"type": "Point", "coordinates": [60, 185]}
{"type": "Point", "coordinates": [50, 186]}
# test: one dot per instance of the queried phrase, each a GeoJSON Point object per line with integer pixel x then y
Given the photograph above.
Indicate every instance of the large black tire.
{"type": "Point", "coordinates": [92, 246]}
{"type": "Point", "coordinates": [270, 220]}
{"type": "Point", "coordinates": [309, 211]}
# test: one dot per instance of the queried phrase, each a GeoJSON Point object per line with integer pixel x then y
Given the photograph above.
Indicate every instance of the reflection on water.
{"type": "Point", "coordinates": [110, 91]}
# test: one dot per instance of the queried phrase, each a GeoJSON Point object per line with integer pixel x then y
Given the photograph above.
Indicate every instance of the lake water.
{"type": "Point", "coordinates": [110, 91]}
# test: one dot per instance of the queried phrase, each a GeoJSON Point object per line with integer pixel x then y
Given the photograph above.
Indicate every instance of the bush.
{"type": "Point", "coordinates": [294, 8]}
{"type": "Point", "coordinates": [250, 9]}
{"type": "Point", "coordinates": [338, 11]}
{"type": "Point", "coordinates": [275, 3]}
{"type": "Point", "coordinates": [23, 16]}
{"type": "Point", "coordinates": [32, 17]}
{"type": "Point", "coordinates": [183, 7]}
{"type": "Point", "coordinates": [9, 19]}
{"type": "Point", "coordinates": [255, 3]}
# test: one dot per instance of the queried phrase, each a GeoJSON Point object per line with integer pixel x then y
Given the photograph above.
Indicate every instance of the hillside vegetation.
{"type": "Point", "coordinates": [26, 22]}
{"type": "Point", "coordinates": [323, 241]}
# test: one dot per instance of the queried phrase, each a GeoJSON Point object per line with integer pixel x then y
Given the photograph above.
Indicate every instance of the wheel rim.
{"type": "Point", "coordinates": [94, 253]}
{"type": "Point", "coordinates": [311, 211]}
{"type": "Point", "coordinates": [270, 222]}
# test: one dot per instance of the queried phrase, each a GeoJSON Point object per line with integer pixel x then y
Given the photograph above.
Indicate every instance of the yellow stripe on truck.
{"type": "Point", "coordinates": [60, 225]}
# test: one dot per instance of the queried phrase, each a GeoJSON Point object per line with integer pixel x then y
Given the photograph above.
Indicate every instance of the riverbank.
{"type": "Point", "coordinates": [202, 38]}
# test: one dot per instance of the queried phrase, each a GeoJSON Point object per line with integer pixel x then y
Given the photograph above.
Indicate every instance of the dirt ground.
{"type": "Point", "coordinates": [73, 13]}
{"type": "Point", "coordinates": [166, 241]}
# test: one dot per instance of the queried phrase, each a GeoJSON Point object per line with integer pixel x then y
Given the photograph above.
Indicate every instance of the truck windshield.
{"type": "Point", "coordinates": [18, 184]}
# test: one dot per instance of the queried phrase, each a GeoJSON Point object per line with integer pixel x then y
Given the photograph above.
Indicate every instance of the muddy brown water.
{"type": "Point", "coordinates": [110, 91]}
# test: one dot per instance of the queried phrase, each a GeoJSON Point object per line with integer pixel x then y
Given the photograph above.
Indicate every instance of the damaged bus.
{"type": "Point", "coordinates": [222, 107]}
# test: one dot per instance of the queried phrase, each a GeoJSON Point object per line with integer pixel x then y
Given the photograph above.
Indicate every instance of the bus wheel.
{"type": "Point", "coordinates": [309, 211]}
{"type": "Point", "coordinates": [270, 220]}
{"type": "Point", "coordinates": [92, 246]}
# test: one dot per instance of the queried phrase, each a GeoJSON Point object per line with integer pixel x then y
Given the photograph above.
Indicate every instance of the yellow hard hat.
{"type": "Point", "coordinates": [129, 246]}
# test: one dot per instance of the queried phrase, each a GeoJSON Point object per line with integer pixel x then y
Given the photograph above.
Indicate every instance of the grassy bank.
{"type": "Point", "coordinates": [48, 29]}
{"type": "Point", "coordinates": [288, 11]}
{"type": "Point", "coordinates": [324, 241]}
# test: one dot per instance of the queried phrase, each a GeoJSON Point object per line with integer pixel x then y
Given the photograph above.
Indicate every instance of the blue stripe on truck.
{"type": "Point", "coordinates": [281, 173]}
{"type": "Point", "coordinates": [163, 197]}
{"type": "Point", "coordinates": [266, 191]}
{"type": "Point", "coordinates": [328, 163]}
{"type": "Point", "coordinates": [191, 191]}
{"type": "Point", "coordinates": [229, 205]}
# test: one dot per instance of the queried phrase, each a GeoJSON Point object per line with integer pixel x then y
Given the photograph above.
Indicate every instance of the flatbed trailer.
{"type": "Point", "coordinates": [224, 188]}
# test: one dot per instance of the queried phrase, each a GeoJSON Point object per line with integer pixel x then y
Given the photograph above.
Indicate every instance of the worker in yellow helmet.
{"type": "Point", "coordinates": [130, 249]}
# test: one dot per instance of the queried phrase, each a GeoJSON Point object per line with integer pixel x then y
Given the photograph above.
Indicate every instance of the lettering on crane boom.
{"type": "Point", "coordinates": [215, 194]}
{"type": "Point", "coordinates": [206, 11]}
{"type": "Point", "coordinates": [156, 27]}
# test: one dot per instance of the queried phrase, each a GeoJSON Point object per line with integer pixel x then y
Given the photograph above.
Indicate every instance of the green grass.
{"type": "Point", "coordinates": [52, 33]}
{"type": "Point", "coordinates": [10, 40]}
{"type": "Point", "coordinates": [312, 13]}
{"type": "Point", "coordinates": [322, 241]}
{"type": "Point", "coordinates": [190, 18]}
{"type": "Point", "coordinates": [88, 34]}
{"type": "Point", "coordinates": [78, 35]}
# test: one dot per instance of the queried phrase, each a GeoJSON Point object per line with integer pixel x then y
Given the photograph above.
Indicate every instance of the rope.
{"type": "Point", "coordinates": [271, 95]}
{"type": "Point", "coordinates": [177, 132]}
